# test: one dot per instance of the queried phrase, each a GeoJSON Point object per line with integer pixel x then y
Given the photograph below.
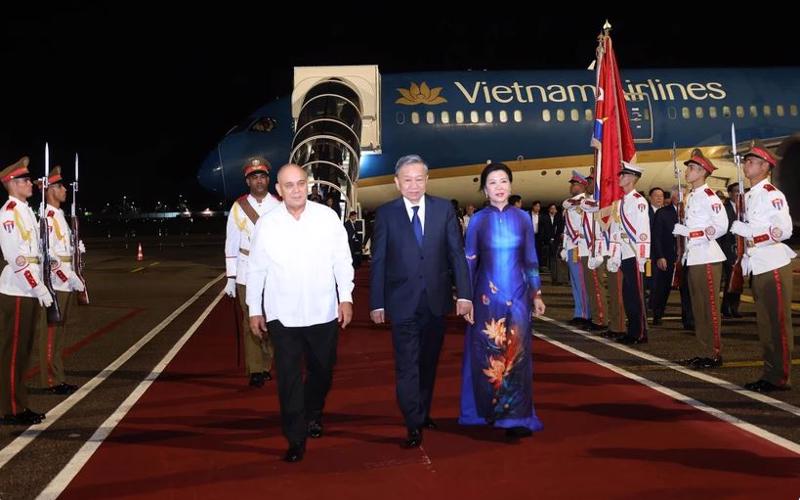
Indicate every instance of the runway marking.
{"type": "Point", "coordinates": [761, 398]}
{"type": "Point", "coordinates": [138, 269]}
{"type": "Point", "coordinates": [32, 432]}
{"type": "Point", "coordinates": [726, 417]}
{"type": "Point", "coordinates": [154, 264]}
{"type": "Point", "coordinates": [727, 364]}
{"type": "Point", "coordinates": [62, 480]}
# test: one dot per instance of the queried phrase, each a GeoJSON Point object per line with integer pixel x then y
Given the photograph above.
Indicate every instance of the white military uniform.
{"type": "Point", "coordinates": [573, 227]}
{"type": "Point", "coordinates": [21, 277]}
{"type": "Point", "coordinates": [707, 220]}
{"type": "Point", "coordinates": [239, 232]}
{"type": "Point", "coordinates": [769, 224]}
{"type": "Point", "coordinates": [630, 230]}
{"type": "Point", "coordinates": [63, 278]}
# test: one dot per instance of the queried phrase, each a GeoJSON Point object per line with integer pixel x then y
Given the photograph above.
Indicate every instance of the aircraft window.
{"type": "Point", "coordinates": [503, 116]}
{"type": "Point", "coordinates": [739, 111]}
{"type": "Point", "coordinates": [754, 111]}
{"type": "Point", "coordinates": [517, 115]}
{"type": "Point", "coordinates": [473, 117]}
{"type": "Point", "coordinates": [400, 117]}
{"type": "Point", "coordinates": [712, 111]}
{"type": "Point", "coordinates": [726, 111]}
{"type": "Point", "coordinates": [558, 172]}
{"type": "Point", "coordinates": [672, 113]}
{"type": "Point", "coordinates": [587, 115]}
{"type": "Point", "coordinates": [263, 124]}
{"type": "Point", "coordinates": [686, 113]}
{"type": "Point", "coordinates": [574, 115]}
{"type": "Point", "coordinates": [544, 172]}
{"type": "Point", "coordinates": [445, 117]}
{"type": "Point", "coordinates": [779, 110]}
{"type": "Point", "coordinates": [560, 115]}
{"type": "Point", "coordinates": [546, 115]}
{"type": "Point", "coordinates": [767, 110]}
{"type": "Point", "coordinates": [698, 112]}
{"type": "Point", "coordinates": [793, 109]}
{"type": "Point", "coordinates": [430, 117]}
{"type": "Point", "coordinates": [459, 117]}
{"type": "Point", "coordinates": [488, 117]}
{"type": "Point", "coordinates": [415, 118]}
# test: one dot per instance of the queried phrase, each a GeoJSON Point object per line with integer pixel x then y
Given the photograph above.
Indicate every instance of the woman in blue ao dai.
{"type": "Point", "coordinates": [497, 369]}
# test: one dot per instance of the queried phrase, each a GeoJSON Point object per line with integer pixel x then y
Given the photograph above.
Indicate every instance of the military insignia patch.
{"type": "Point", "coordinates": [8, 226]}
{"type": "Point", "coordinates": [643, 237]}
{"type": "Point", "coordinates": [642, 207]}
{"type": "Point", "coordinates": [776, 233]}
{"type": "Point", "coordinates": [716, 207]}
{"type": "Point", "coordinates": [20, 261]}
{"type": "Point", "coordinates": [777, 203]}
{"type": "Point", "coordinates": [710, 231]}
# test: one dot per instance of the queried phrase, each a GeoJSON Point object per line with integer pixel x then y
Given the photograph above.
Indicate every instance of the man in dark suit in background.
{"type": "Point", "coordinates": [551, 229]}
{"type": "Point", "coordinates": [730, 301]}
{"type": "Point", "coordinates": [417, 252]}
{"type": "Point", "coordinates": [663, 255]}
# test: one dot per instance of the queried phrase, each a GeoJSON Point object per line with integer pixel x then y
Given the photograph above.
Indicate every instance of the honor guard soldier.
{"type": "Point", "coordinates": [22, 294]}
{"type": "Point", "coordinates": [767, 225]}
{"type": "Point", "coordinates": [242, 220]}
{"type": "Point", "coordinates": [64, 280]}
{"type": "Point", "coordinates": [705, 222]}
{"type": "Point", "coordinates": [576, 250]}
{"type": "Point", "coordinates": [598, 249]}
{"type": "Point", "coordinates": [630, 236]}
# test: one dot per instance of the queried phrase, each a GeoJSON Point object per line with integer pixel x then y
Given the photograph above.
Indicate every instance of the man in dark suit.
{"type": "Point", "coordinates": [663, 255]}
{"type": "Point", "coordinates": [551, 229]}
{"type": "Point", "coordinates": [417, 252]}
{"type": "Point", "coordinates": [730, 301]}
{"type": "Point", "coordinates": [353, 239]}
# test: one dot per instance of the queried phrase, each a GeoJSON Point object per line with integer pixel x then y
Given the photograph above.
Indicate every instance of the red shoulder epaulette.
{"type": "Point", "coordinates": [242, 197]}
{"type": "Point", "coordinates": [709, 192]}
{"type": "Point", "coordinates": [769, 187]}
{"type": "Point", "coordinates": [50, 213]}
{"type": "Point", "coordinates": [11, 205]}
{"type": "Point", "coordinates": [637, 195]}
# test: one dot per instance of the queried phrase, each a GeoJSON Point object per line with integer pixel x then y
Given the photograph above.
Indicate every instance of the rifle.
{"type": "Point", "coordinates": [77, 258]}
{"type": "Point", "coordinates": [53, 312]}
{"type": "Point", "coordinates": [677, 273]}
{"type": "Point", "coordinates": [736, 282]}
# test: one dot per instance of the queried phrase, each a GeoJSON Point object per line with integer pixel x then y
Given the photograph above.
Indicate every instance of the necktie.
{"type": "Point", "coordinates": [417, 224]}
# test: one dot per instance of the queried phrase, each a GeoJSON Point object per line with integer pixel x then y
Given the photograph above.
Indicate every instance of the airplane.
{"type": "Point", "coordinates": [348, 125]}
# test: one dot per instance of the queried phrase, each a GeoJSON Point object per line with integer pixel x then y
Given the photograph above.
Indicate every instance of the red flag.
{"type": "Point", "coordinates": [612, 137]}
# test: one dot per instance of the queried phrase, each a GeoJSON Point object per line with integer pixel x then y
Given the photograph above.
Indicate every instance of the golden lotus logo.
{"type": "Point", "coordinates": [420, 94]}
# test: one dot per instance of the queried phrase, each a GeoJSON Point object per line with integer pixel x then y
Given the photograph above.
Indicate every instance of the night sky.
{"type": "Point", "coordinates": [143, 93]}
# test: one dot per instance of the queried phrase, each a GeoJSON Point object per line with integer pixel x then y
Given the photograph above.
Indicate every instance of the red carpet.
{"type": "Point", "coordinates": [198, 432]}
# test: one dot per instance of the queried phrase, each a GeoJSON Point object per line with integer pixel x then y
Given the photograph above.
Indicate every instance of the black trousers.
{"type": "Point", "coordinates": [417, 342]}
{"type": "Point", "coordinates": [301, 401]}
{"type": "Point", "coordinates": [633, 297]}
{"type": "Point", "coordinates": [687, 315]}
{"type": "Point", "coordinates": [730, 301]}
{"type": "Point", "coordinates": [662, 286]}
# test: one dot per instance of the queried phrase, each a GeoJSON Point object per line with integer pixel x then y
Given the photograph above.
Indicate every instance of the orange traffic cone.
{"type": "Point", "coordinates": [139, 254]}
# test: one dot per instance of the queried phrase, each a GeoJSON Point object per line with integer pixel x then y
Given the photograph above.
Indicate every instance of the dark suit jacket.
{"type": "Point", "coordinates": [550, 230]}
{"type": "Point", "coordinates": [728, 240]}
{"type": "Point", "coordinates": [401, 271]}
{"type": "Point", "coordinates": [663, 241]}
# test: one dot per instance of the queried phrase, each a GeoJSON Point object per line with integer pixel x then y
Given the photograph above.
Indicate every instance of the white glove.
{"type": "Point", "coordinates": [612, 265]}
{"type": "Point", "coordinates": [43, 295]}
{"type": "Point", "coordinates": [742, 229]}
{"type": "Point", "coordinates": [745, 265]}
{"type": "Point", "coordinates": [590, 206]}
{"type": "Point", "coordinates": [642, 264]}
{"type": "Point", "coordinates": [594, 262]}
{"type": "Point", "coordinates": [81, 247]}
{"type": "Point", "coordinates": [563, 254]}
{"type": "Point", "coordinates": [680, 230]}
{"type": "Point", "coordinates": [76, 284]}
{"type": "Point", "coordinates": [230, 288]}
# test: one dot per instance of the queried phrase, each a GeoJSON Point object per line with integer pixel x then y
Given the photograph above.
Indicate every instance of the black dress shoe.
{"type": "Point", "coordinates": [414, 439]}
{"type": "Point", "coordinates": [594, 327]}
{"type": "Point", "coordinates": [295, 452]}
{"type": "Point", "coordinates": [26, 417]}
{"type": "Point", "coordinates": [518, 432]}
{"type": "Point", "coordinates": [315, 428]}
{"type": "Point", "coordinates": [579, 322]}
{"type": "Point", "coordinates": [631, 340]}
{"type": "Point", "coordinates": [765, 386]}
{"type": "Point", "coordinates": [611, 334]}
{"type": "Point", "coordinates": [736, 314]}
{"type": "Point", "coordinates": [256, 380]}
{"type": "Point", "coordinates": [267, 375]}
{"type": "Point", "coordinates": [706, 363]}
{"type": "Point", "coordinates": [688, 361]}
{"type": "Point", "coordinates": [62, 389]}
{"type": "Point", "coordinates": [429, 424]}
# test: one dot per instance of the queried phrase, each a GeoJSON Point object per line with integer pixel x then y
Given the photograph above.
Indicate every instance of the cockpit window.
{"type": "Point", "coordinates": [262, 124]}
